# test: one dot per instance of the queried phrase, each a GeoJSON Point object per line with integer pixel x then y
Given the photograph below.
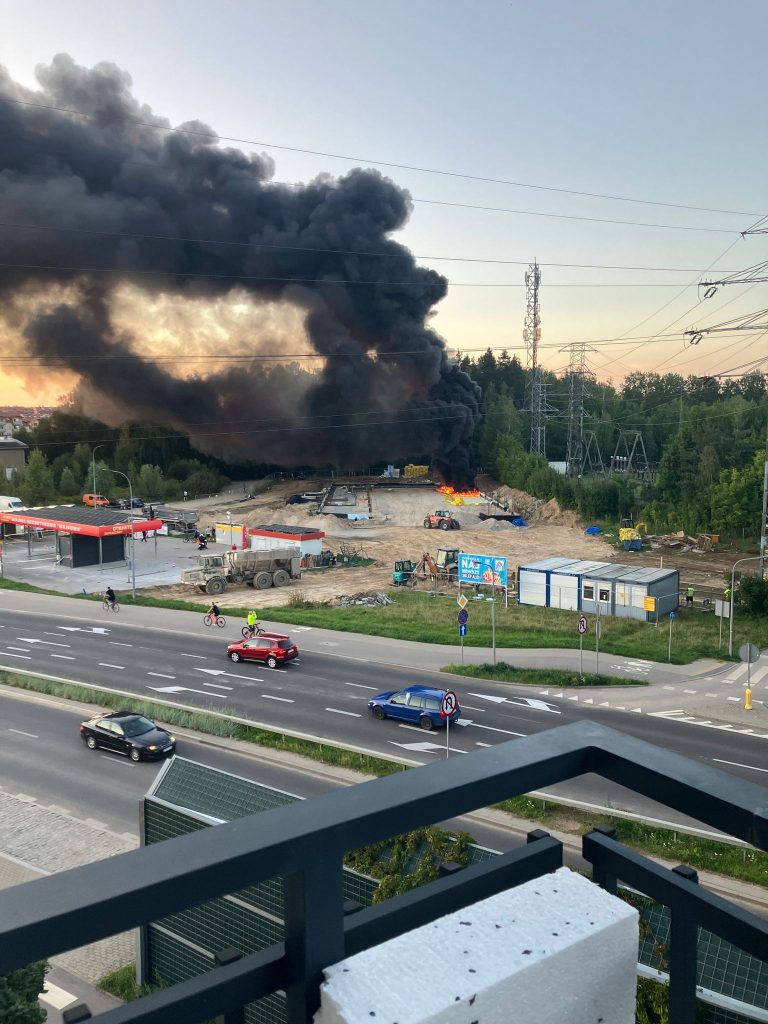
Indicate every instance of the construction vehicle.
{"type": "Point", "coordinates": [274, 567]}
{"type": "Point", "coordinates": [403, 573]}
{"type": "Point", "coordinates": [629, 536]}
{"type": "Point", "coordinates": [441, 520]}
{"type": "Point", "coordinates": [444, 567]}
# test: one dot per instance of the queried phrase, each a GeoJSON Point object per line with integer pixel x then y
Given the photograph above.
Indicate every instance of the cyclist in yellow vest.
{"type": "Point", "coordinates": [251, 622]}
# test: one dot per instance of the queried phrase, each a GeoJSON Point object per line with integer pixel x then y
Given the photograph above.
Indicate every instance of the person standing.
{"type": "Point", "coordinates": [689, 597]}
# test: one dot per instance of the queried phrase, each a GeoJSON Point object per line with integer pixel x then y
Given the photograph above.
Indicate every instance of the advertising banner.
{"type": "Point", "coordinates": [483, 569]}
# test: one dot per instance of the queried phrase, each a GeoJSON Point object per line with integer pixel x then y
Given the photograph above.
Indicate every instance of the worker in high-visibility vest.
{"type": "Point", "coordinates": [727, 594]}
{"type": "Point", "coordinates": [689, 597]}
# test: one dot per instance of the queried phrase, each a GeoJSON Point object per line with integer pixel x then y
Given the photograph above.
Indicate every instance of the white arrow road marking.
{"type": "Point", "coordinates": [574, 697]}
{"type": "Point", "coordinates": [588, 700]}
{"type": "Point", "coordinates": [233, 675]}
{"type": "Point", "coordinates": [491, 728]}
{"type": "Point", "coordinates": [522, 702]}
{"type": "Point", "coordinates": [185, 689]}
{"type": "Point", "coordinates": [270, 696]}
{"type": "Point", "coordinates": [638, 710]}
{"type": "Point", "coordinates": [422, 748]}
{"type": "Point", "coordinates": [605, 704]}
{"type": "Point", "coordinates": [86, 629]}
{"type": "Point", "coordinates": [351, 714]}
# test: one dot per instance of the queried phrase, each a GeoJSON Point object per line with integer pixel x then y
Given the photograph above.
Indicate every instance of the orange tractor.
{"type": "Point", "coordinates": [440, 521]}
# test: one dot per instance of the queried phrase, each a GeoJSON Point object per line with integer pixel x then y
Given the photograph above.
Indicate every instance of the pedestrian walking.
{"type": "Point", "coordinates": [689, 597]}
{"type": "Point", "coordinates": [143, 536]}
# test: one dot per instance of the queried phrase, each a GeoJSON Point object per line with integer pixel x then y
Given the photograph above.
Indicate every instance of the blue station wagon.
{"type": "Point", "coordinates": [417, 704]}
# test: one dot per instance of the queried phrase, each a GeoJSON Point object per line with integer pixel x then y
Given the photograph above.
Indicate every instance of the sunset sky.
{"type": "Point", "coordinates": [656, 103]}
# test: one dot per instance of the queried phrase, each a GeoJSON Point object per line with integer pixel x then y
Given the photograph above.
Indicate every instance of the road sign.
{"type": "Point", "coordinates": [461, 601]}
{"type": "Point", "coordinates": [582, 624]}
{"type": "Point", "coordinates": [462, 629]}
{"type": "Point", "coordinates": [463, 617]}
{"type": "Point", "coordinates": [449, 703]}
{"type": "Point", "coordinates": [749, 653]}
{"type": "Point", "coordinates": [672, 616]}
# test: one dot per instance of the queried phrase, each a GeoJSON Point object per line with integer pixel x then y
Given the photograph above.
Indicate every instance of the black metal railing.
{"type": "Point", "coordinates": [305, 843]}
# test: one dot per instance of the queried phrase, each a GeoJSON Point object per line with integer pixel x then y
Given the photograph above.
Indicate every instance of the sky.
{"type": "Point", "coordinates": [657, 103]}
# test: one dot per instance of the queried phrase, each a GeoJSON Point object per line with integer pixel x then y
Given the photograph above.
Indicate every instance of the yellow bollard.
{"type": "Point", "coordinates": [748, 700]}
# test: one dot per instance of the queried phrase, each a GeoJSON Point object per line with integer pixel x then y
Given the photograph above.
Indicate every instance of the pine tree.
{"type": "Point", "coordinates": [37, 480]}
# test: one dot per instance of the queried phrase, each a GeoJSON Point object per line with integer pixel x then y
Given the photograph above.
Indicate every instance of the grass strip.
{"type": "Point", "coordinates": [706, 854]}
{"type": "Point", "coordinates": [211, 724]}
{"type": "Point", "coordinates": [503, 672]}
{"type": "Point", "coordinates": [424, 618]}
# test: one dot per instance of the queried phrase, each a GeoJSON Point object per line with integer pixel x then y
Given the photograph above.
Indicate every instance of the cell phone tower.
{"type": "Point", "coordinates": [537, 403]}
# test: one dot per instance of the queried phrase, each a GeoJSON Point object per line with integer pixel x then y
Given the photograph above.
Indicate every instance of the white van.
{"type": "Point", "coordinates": [10, 504]}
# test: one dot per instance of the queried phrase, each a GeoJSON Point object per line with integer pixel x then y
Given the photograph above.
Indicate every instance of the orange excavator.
{"type": "Point", "coordinates": [443, 568]}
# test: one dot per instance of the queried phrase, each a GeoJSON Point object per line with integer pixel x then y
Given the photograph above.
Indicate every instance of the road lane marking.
{"type": "Point", "coordinates": [468, 707]}
{"type": "Point", "coordinates": [26, 657]}
{"type": "Point", "coordinates": [736, 764]}
{"type": "Point", "coordinates": [690, 691]}
{"type": "Point", "coordinates": [522, 702]}
{"type": "Point", "coordinates": [160, 675]}
{"type": "Point", "coordinates": [20, 732]}
{"type": "Point", "coordinates": [106, 664]}
{"type": "Point", "coordinates": [285, 700]}
{"type": "Point", "coordinates": [18, 648]}
{"type": "Point", "coordinates": [117, 643]}
{"type": "Point", "coordinates": [200, 657]}
{"type": "Point", "coordinates": [422, 748]}
{"type": "Point", "coordinates": [479, 743]}
{"type": "Point", "coordinates": [337, 711]}
{"type": "Point", "coordinates": [64, 657]}
{"type": "Point", "coordinates": [62, 635]}
{"type": "Point", "coordinates": [56, 997]}
{"type": "Point", "coordinates": [36, 640]}
{"type": "Point", "coordinates": [219, 686]}
{"type": "Point", "coordinates": [362, 686]}
{"type": "Point", "coordinates": [117, 759]}
{"type": "Point", "coordinates": [491, 728]}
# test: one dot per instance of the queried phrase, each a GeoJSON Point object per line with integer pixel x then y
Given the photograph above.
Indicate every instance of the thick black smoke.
{"type": "Point", "coordinates": [386, 378]}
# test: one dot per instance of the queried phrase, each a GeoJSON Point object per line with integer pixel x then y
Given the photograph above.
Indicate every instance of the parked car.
{"type": "Point", "coordinates": [126, 733]}
{"type": "Point", "coordinates": [95, 500]}
{"type": "Point", "coordinates": [418, 704]}
{"type": "Point", "coordinates": [272, 648]}
{"type": "Point", "coordinates": [126, 503]}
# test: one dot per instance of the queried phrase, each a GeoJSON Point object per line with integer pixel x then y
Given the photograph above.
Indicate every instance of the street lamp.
{"type": "Point", "coordinates": [133, 534]}
{"type": "Point", "coordinates": [755, 558]}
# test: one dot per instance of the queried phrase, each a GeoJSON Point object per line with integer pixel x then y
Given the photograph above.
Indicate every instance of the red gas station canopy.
{"type": "Point", "coordinates": [88, 522]}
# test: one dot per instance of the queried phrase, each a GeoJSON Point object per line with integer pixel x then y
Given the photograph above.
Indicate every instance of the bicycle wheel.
{"type": "Point", "coordinates": [246, 632]}
{"type": "Point", "coordinates": [207, 620]}
{"type": "Point", "coordinates": [221, 622]}
{"type": "Point", "coordinates": [105, 606]}
{"type": "Point", "coordinates": [115, 607]}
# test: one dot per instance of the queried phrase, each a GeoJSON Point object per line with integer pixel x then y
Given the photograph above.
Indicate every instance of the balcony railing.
{"type": "Point", "coordinates": [305, 843]}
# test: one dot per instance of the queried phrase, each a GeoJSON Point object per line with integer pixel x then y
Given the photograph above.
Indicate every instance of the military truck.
{"type": "Point", "coordinates": [274, 567]}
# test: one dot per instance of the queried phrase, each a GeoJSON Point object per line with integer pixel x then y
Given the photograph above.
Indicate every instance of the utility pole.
{"type": "Point", "coordinates": [764, 520]}
{"type": "Point", "coordinates": [576, 458]}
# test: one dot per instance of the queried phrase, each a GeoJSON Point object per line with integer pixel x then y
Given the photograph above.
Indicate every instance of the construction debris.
{"type": "Point", "coordinates": [700, 544]}
{"type": "Point", "coordinates": [366, 598]}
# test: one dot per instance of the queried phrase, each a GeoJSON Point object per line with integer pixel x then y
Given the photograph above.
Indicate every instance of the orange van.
{"type": "Point", "coordinates": [95, 500]}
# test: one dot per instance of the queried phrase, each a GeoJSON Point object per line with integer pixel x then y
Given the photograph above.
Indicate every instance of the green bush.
{"type": "Point", "coordinates": [19, 992]}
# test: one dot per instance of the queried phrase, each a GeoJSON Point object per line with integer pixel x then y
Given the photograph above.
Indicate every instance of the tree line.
{"type": "Point", "coordinates": [705, 438]}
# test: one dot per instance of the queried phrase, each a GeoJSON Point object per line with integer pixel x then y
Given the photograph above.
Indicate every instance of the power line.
{"type": "Point", "coordinates": [340, 252]}
{"type": "Point", "coordinates": [216, 137]}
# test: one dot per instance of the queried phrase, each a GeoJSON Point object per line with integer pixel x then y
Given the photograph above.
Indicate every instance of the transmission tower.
{"type": "Point", "coordinates": [532, 334]}
{"type": "Point", "coordinates": [576, 454]}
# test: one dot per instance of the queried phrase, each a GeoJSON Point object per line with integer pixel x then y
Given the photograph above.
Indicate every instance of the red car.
{"type": "Point", "coordinates": [272, 648]}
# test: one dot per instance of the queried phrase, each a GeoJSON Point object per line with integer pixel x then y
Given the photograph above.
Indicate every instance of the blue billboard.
{"type": "Point", "coordinates": [483, 569]}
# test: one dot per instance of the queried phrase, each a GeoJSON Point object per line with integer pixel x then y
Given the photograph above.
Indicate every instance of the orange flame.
{"type": "Point", "coordinates": [451, 493]}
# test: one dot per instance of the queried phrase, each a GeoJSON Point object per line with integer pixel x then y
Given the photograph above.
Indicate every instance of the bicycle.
{"type": "Point", "coordinates": [110, 607]}
{"type": "Point", "coordinates": [217, 620]}
{"type": "Point", "coordinates": [256, 631]}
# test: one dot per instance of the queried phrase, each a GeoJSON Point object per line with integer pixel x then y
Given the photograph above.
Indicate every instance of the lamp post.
{"type": "Point", "coordinates": [93, 457]}
{"type": "Point", "coordinates": [755, 558]}
{"type": "Point", "coordinates": [133, 534]}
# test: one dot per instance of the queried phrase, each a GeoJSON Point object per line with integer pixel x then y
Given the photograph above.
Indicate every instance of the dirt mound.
{"type": "Point", "coordinates": [535, 510]}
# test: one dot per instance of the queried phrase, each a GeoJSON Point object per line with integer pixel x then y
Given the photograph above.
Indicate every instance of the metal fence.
{"type": "Point", "coordinates": [306, 843]}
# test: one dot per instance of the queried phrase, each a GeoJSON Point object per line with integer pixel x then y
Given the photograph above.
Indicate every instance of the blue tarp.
{"type": "Point", "coordinates": [519, 521]}
{"type": "Point", "coordinates": [592, 530]}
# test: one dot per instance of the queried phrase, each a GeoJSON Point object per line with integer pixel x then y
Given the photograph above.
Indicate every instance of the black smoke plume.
{"type": "Point", "coordinates": [386, 388]}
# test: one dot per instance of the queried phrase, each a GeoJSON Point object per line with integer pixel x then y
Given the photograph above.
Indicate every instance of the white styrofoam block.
{"type": "Point", "coordinates": [556, 949]}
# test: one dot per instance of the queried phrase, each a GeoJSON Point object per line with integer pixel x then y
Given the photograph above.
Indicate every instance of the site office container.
{"type": "Point", "coordinates": [599, 588]}
{"type": "Point", "coordinates": [634, 587]}
{"type": "Point", "coordinates": [565, 583]}
{"type": "Point", "coordinates": [533, 580]}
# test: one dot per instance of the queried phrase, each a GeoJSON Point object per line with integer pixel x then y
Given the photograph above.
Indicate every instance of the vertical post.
{"type": "Point", "coordinates": [448, 736]}
{"type": "Point", "coordinates": [669, 652]}
{"type": "Point", "coordinates": [683, 959]}
{"type": "Point", "coordinates": [462, 649]}
{"type": "Point", "coordinates": [493, 627]}
{"type": "Point", "coordinates": [597, 637]}
{"type": "Point", "coordinates": [314, 930]}
{"type": "Point", "coordinates": [229, 956]}
{"type": "Point", "coordinates": [581, 655]}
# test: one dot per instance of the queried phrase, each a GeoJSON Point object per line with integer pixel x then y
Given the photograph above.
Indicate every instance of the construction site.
{"type": "Point", "coordinates": [382, 533]}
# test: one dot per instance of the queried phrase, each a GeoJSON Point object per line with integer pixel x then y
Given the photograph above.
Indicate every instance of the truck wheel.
{"type": "Point", "coordinates": [262, 581]}
{"type": "Point", "coordinates": [217, 585]}
{"type": "Point", "coordinates": [281, 578]}
{"type": "Point", "coordinates": [427, 524]}
{"type": "Point", "coordinates": [445, 525]}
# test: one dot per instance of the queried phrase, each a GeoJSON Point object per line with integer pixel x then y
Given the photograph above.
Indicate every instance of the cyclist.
{"type": "Point", "coordinates": [252, 622]}
{"type": "Point", "coordinates": [214, 611]}
{"type": "Point", "coordinates": [109, 597]}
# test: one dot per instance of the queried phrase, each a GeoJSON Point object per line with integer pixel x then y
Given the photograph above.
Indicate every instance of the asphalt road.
{"type": "Point", "coordinates": [324, 697]}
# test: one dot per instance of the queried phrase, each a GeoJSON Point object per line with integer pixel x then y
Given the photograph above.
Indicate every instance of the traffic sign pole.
{"type": "Point", "coordinates": [671, 620]}
{"type": "Point", "coordinates": [582, 628]}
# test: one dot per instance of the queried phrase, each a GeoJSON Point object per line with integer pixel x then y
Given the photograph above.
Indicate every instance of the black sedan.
{"type": "Point", "coordinates": [125, 733]}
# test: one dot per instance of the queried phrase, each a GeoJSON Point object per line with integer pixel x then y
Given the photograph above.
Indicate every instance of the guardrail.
{"type": "Point", "coordinates": [305, 843]}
